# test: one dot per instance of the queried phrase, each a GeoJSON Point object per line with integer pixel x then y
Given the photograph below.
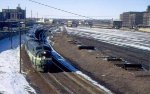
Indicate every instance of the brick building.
{"type": "Point", "coordinates": [13, 14]}
{"type": "Point", "coordinates": [146, 17]}
{"type": "Point", "coordinates": [134, 19]}
{"type": "Point", "coordinates": [11, 17]}
{"type": "Point", "coordinates": [131, 19]}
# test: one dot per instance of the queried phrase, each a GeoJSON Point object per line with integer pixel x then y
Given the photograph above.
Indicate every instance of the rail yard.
{"type": "Point", "coordinates": [116, 66]}
{"type": "Point", "coordinates": [64, 60]}
{"type": "Point", "coordinates": [60, 77]}
{"type": "Point", "coordinates": [58, 80]}
{"type": "Point", "coordinates": [132, 78]}
{"type": "Point", "coordinates": [74, 47]}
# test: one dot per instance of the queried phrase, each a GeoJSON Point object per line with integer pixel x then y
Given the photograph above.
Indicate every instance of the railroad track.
{"type": "Point", "coordinates": [130, 54]}
{"type": "Point", "coordinates": [70, 83]}
{"type": "Point", "coordinates": [60, 81]}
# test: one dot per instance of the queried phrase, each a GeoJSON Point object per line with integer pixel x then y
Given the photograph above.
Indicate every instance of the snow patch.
{"type": "Point", "coordinates": [135, 39]}
{"type": "Point", "coordinates": [94, 82]}
{"type": "Point", "coordinates": [11, 81]}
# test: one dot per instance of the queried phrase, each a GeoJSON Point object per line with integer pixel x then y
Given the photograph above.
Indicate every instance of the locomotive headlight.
{"type": "Point", "coordinates": [43, 57]}
{"type": "Point", "coordinates": [44, 52]}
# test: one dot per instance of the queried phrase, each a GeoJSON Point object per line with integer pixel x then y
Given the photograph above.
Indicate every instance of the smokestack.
{"type": "Point", "coordinates": [31, 13]}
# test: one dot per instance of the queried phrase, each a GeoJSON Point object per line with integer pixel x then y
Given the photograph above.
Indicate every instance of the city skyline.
{"type": "Point", "coordinates": [96, 9]}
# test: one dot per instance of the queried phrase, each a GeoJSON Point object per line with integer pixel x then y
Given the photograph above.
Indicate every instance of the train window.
{"type": "Point", "coordinates": [47, 48]}
{"type": "Point", "coordinates": [38, 48]}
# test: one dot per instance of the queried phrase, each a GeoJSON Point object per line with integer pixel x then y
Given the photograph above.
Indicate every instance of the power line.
{"type": "Point", "coordinates": [59, 9]}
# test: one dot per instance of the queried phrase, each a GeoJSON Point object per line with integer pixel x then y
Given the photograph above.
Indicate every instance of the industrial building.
{"type": "Point", "coordinates": [146, 18]}
{"type": "Point", "coordinates": [136, 19]}
{"type": "Point", "coordinates": [13, 14]}
{"type": "Point", "coordinates": [10, 17]}
{"type": "Point", "coordinates": [117, 24]}
{"type": "Point", "coordinates": [1, 17]}
{"type": "Point", "coordinates": [131, 19]}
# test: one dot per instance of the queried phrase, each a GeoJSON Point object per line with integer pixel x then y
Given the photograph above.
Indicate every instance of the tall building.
{"type": "Point", "coordinates": [131, 19]}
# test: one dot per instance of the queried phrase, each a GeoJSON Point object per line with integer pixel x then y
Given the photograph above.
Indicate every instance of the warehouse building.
{"type": "Point", "coordinates": [131, 19]}
{"type": "Point", "coordinates": [117, 24]}
{"type": "Point", "coordinates": [136, 19]}
{"type": "Point", "coordinates": [146, 18]}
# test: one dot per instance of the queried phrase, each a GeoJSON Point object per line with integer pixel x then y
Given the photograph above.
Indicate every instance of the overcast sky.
{"type": "Point", "coordinates": [101, 9]}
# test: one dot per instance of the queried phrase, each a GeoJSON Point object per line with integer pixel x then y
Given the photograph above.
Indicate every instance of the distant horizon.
{"type": "Point", "coordinates": [69, 18]}
{"type": "Point", "coordinates": [95, 9]}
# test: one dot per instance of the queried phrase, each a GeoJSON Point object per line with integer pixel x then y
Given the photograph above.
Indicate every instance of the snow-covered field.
{"type": "Point", "coordinates": [135, 39]}
{"type": "Point", "coordinates": [11, 81]}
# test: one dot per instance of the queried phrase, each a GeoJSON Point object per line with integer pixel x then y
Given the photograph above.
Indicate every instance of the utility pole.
{"type": "Point", "coordinates": [31, 13]}
{"type": "Point", "coordinates": [11, 37]}
{"type": "Point", "coordinates": [20, 43]}
{"type": "Point", "coordinates": [25, 20]}
{"type": "Point", "coordinates": [9, 28]}
{"type": "Point", "coordinates": [37, 16]}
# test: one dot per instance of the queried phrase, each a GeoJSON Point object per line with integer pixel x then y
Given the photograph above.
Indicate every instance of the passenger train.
{"type": "Point", "coordinates": [39, 54]}
{"type": "Point", "coordinates": [42, 55]}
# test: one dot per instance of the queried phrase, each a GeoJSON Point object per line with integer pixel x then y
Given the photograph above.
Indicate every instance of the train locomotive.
{"type": "Point", "coordinates": [39, 52]}
{"type": "Point", "coordinates": [43, 57]}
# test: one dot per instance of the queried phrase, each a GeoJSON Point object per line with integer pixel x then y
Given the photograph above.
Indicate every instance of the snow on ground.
{"type": "Point", "coordinates": [11, 81]}
{"type": "Point", "coordinates": [134, 39]}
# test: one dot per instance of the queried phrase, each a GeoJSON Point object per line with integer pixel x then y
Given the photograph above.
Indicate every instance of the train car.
{"type": "Point", "coordinates": [39, 54]}
{"type": "Point", "coordinates": [40, 34]}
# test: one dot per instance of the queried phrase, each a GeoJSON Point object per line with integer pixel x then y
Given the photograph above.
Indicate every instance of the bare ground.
{"type": "Point", "coordinates": [118, 80]}
{"type": "Point", "coordinates": [33, 76]}
{"type": "Point", "coordinates": [57, 82]}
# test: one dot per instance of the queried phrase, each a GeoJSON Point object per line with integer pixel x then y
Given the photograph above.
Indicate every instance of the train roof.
{"type": "Point", "coordinates": [37, 45]}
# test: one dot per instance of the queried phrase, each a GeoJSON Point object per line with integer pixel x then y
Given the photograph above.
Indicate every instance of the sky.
{"type": "Point", "coordinates": [97, 9]}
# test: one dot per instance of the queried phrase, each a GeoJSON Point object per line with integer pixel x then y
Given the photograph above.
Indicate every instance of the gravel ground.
{"type": "Point", "coordinates": [116, 79]}
{"type": "Point", "coordinates": [58, 82]}
{"type": "Point", "coordinates": [33, 77]}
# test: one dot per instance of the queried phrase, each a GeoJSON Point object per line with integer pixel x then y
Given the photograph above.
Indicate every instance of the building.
{"type": "Point", "coordinates": [1, 16]}
{"type": "Point", "coordinates": [148, 9]}
{"type": "Point", "coordinates": [134, 19]}
{"type": "Point", "coordinates": [146, 18]}
{"type": "Point", "coordinates": [131, 19]}
{"type": "Point", "coordinates": [11, 17]}
{"type": "Point", "coordinates": [17, 14]}
{"type": "Point", "coordinates": [44, 20]}
{"type": "Point", "coordinates": [117, 24]}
